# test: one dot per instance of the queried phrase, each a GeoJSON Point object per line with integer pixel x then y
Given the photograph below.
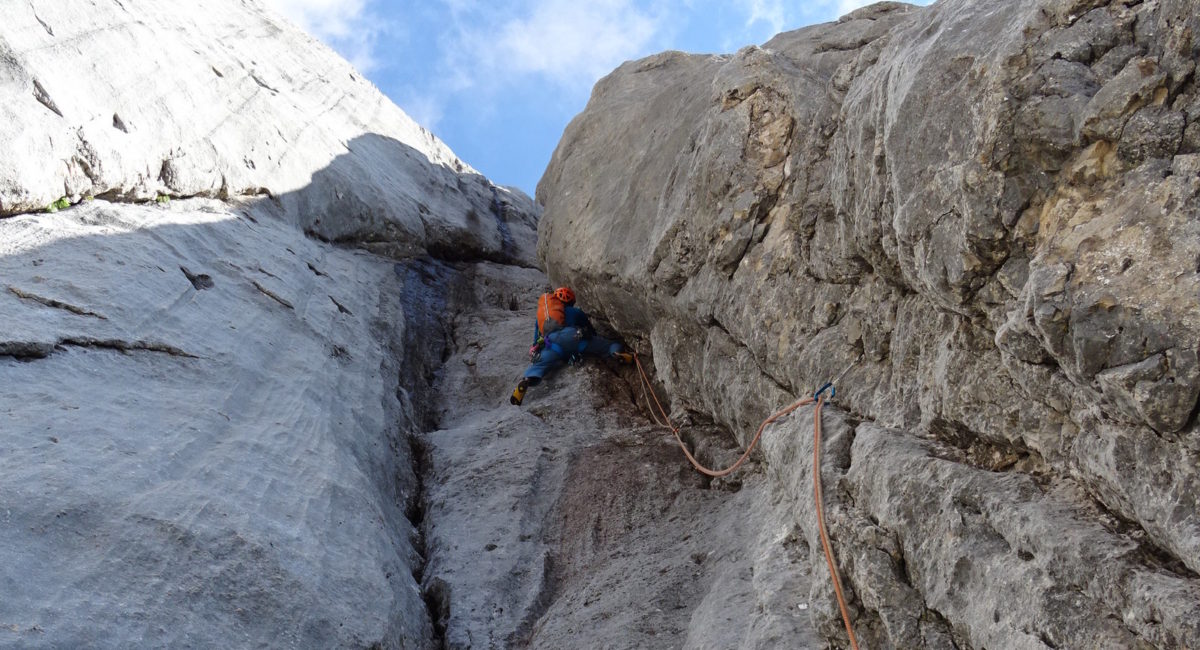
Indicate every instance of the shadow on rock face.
{"type": "Point", "coordinates": [202, 439]}
{"type": "Point", "coordinates": [208, 405]}
{"type": "Point", "coordinates": [389, 198]}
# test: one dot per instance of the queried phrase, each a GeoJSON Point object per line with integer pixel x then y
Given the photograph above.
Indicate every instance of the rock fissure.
{"type": "Point", "coordinates": [434, 593]}
{"type": "Point", "coordinates": [56, 304]}
{"type": "Point", "coordinates": [26, 350]}
{"type": "Point", "coordinates": [1152, 554]}
{"type": "Point", "coordinates": [43, 98]}
{"type": "Point", "coordinates": [120, 196]}
{"type": "Point", "coordinates": [125, 346]}
{"type": "Point", "coordinates": [272, 295]}
{"type": "Point", "coordinates": [780, 384]}
{"type": "Point", "coordinates": [42, 22]}
{"type": "Point", "coordinates": [340, 307]}
{"type": "Point", "coordinates": [32, 350]}
{"type": "Point", "coordinates": [975, 449]}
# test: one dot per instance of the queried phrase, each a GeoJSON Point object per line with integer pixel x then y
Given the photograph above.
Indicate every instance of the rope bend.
{"type": "Point", "coordinates": [819, 399]}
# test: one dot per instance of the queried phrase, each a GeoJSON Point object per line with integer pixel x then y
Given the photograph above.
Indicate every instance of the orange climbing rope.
{"type": "Point", "coordinates": [820, 401]}
{"type": "Point", "coordinates": [675, 430]}
{"type": "Point", "coordinates": [833, 572]}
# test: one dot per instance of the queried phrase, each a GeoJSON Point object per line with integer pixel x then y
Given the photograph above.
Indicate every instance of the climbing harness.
{"type": "Point", "coordinates": [818, 398]}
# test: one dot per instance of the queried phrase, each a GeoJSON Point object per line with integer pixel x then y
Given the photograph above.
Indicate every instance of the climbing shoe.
{"type": "Point", "coordinates": [623, 357]}
{"type": "Point", "coordinates": [518, 394]}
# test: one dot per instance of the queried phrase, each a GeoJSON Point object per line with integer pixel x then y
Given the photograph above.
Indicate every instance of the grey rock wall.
{"type": "Point", "coordinates": [201, 441]}
{"type": "Point", "coordinates": [212, 374]}
{"type": "Point", "coordinates": [992, 207]}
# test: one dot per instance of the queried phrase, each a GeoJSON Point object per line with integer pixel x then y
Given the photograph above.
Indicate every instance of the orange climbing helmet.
{"type": "Point", "coordinates": [565, 294]}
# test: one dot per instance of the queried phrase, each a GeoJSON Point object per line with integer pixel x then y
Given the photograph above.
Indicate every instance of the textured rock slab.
{"type": "Point", "coordinates": [1038, 559]}
{"type": "Point", "coordinates": [980, 559]}
{"type": "Point", "coordinates": [226, 99]}
{"type": "Point", "coordinates": [201, 444]}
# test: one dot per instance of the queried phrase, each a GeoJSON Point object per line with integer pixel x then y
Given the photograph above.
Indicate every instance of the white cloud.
{"type": "Point", "coordinates": [766, 18]}
{"type": "Point", "coordinates": [345, 25]}
{"type": "Point", "coordinates": [779, 15]}
{"type": "Point", "coordinates": [488, 53]}
{"type": "Point", "coordinates": [322, 18]}
{"type": "Point", "coordinates": [569, 43]}
{"type": "Point", "coordinates": [426, 110]}
{"type": "Point", "coordinates": [770, 12]}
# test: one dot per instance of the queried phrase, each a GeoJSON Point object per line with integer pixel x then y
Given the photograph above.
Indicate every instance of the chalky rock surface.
{"type": "Point", "coordinates": [134, 99]}
{"type": "Point", "coordinates": [571, 522]}
{"type": "Point", "coordinates": [994, 208]}
{"type": "Point", "coordinates": [201, 441]}
{"type": "Point", "coordinates": [212, 378]}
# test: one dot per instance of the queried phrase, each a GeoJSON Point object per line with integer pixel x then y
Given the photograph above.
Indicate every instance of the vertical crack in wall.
{"type": "Point", "coordinates": [425, 285]}
{"type": "Point", "coordinates": [435, 595]}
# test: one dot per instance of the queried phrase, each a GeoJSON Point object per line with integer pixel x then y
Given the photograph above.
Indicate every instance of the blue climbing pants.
{"type": "Point", "coordinates": [561, 345]}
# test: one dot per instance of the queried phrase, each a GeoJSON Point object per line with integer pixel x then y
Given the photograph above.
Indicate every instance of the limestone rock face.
{"type": "Point", "coordinates": [992, 210]}
{"type": "Point", "coordinates": [136, 100]}
{"type": "Point", "coordinates": [200, 443]}
{"type": "Point", "coordinates": [209, 400]}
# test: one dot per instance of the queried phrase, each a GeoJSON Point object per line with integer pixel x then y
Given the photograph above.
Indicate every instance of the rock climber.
{"type": "Point", "coordinates": [563, 334]}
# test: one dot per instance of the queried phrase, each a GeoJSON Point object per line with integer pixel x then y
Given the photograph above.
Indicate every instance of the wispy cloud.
{"type": "Point", "coordinates": [572, 42]}
{"type": "Point", "coordinates": [778, 15]}
{"type": "Point", "coordinates": [426, 109]}
{"type": "Point", "coordinates": [770, 12]}
{"type": "Point", "coordinates": [348, 26]}
{"type": "Point", "coordinates": [489, 51]}
{"type": "Point", "coordinates": [566, 42]}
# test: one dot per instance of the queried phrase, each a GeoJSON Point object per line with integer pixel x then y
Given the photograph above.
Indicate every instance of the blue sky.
{"type": "Point", "coordinates": [498, 81]}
